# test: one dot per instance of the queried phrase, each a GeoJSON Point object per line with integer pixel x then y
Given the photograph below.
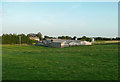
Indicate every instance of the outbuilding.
{"type": "Point", "coordinates": [60, 43]}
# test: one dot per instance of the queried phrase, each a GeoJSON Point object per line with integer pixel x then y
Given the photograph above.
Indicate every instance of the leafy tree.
{"type": "Point", "coordinates": [64, 37]}
{"type": "Point", "coordinates": [83, 40]}
{"type": "Point", "coordinates": [0, 39]}
{"type": "Point", "coordinates": [84, 37]}
{"type": "Point", "coordinates": [79, 38]}
{"type": "Point", "coordinates": [117, 38]}
{"type": "Point", "coordinates": [68, 37]}
{"type": "Point", "coordinates": [46, 36]}
{"type": "Point", "coordinates": [88, 39]}
{"type": "Point", "coordinates": [40, 36]}
{"type": "Point", "coordinates": [74, 38]}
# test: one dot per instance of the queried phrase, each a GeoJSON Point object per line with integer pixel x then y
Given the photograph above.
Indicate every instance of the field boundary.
{"type": "Point", "coordinates": [105, 42]}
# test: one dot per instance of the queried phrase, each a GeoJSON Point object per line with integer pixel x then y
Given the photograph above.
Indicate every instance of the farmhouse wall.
{"type": "Point", "coordinates": [55, 44]}
{"type": "Point", "coordinates": [64, 45]}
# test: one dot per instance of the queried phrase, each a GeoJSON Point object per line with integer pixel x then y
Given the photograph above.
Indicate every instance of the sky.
{"type": "Point", "coordinates": [60, 0]}
{"type": "Point", "coordinates": [61, 18]}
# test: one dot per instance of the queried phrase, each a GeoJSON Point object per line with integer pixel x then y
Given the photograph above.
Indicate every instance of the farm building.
{"type": "Point", "coordinates": [34, 38]}
{"type": "Point", "coordinates": [60, 43]}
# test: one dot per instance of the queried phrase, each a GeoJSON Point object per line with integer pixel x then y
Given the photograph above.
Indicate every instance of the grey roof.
{"type": "Point", "coordinates": [63, 40]}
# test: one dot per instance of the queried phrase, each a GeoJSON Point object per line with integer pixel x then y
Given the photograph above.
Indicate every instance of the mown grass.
{"type": "Point", "coordinates": [95, 62]}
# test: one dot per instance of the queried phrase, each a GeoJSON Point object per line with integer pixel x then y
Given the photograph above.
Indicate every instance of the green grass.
{"type": "Point", "coordinates": [95, 62]}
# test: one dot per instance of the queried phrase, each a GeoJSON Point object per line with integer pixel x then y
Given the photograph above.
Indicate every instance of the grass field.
{"type": "Point", "coordinates": [95, 62]}
{"type": "Point", "coordinates": [104, 42]}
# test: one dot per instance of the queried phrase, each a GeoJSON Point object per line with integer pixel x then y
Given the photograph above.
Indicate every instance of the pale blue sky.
{"type": "Point", "coordinates": [61, 18]}
{"type": "Point", "coordinates": [60, 0]}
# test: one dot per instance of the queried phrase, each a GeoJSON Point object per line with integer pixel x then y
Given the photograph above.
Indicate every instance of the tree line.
{"type": "Point", "coordinates": [98, 38]}
{"type": "Point", "coordinates": [84, 38]}
{"type": "Point", "coordinates": [15, 39]}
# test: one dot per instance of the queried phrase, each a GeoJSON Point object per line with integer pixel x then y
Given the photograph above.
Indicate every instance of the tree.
{"type": "Point", "coordinates": [14, 39]}
{"type": "Point", "coordinates": [63, 37]}
{"type": "Point", "coordinates": [74, 38]}
{"type": "Point", "coordinates": [79, 38]}
{"type": "Point", "coordinates": [68, 37]}
{"type": "Point", "coordinates": [0, 39]}
{"type": "Point", "coordinates": [40, 36]}
{"type": "Point", "coordinates": [46, 36]}
{"type": "Point", "coordinates": [84, 37]}
{"type": "Point", "coordinates": [88, 39]}
{"type": "Point", "coordinates": [117, 38]}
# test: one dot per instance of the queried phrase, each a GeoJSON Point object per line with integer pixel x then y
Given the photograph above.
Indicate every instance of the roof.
{"type": "Point", "coordinates": [34, 38]}
{"type": "Point", "coordinates": [63, 40]}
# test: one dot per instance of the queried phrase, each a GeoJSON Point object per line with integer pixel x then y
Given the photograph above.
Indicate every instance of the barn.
{"type": "Point", "coordinates": [60, 43]}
